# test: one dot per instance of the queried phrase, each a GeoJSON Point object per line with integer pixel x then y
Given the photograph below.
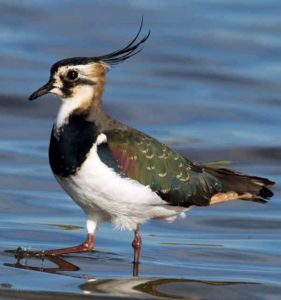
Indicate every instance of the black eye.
{"type": "Point", "coordinates": [72, 75]}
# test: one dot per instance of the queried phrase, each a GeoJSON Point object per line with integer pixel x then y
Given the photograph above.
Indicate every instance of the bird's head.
{"type": "Point", "coordinates": [82, 78]}
{"type": "Point", "coordinates": [75, 79]}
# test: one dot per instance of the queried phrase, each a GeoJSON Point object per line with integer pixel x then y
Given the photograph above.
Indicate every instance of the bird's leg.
{"type": "Point", "coordinates": [137, 245]}
{"type": "Point", "coordinates": [87, 246]}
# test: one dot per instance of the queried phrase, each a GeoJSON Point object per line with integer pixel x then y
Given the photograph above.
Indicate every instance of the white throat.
{"type": "Point", "coordinates": [70, 104]}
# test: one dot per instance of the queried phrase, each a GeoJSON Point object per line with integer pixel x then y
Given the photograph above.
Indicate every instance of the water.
{"type": "Point", "coordinates": [207, 83]}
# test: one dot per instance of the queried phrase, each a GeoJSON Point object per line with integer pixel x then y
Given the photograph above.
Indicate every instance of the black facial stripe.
{"type": "Point", "coordinates": [68, 86]}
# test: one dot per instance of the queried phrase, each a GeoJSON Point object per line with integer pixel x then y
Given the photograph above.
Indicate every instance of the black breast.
{"type": "Point", "coordinates": [71, 144]}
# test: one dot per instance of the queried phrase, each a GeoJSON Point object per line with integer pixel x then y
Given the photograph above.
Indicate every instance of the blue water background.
{"type": "Point", "coordinates": [207, 83]}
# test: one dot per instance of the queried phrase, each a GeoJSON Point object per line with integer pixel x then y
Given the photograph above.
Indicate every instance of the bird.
{"type": "Point", "coordinates": [119, 174]}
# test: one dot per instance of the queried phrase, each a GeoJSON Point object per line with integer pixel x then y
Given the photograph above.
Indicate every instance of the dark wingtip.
{"type": "Point", "coordinates": [31, 97]}
{"type": "Point", "coordinates": [265, 193]}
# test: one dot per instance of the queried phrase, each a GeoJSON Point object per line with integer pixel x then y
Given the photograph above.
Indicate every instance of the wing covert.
{"type": "Point", "coordinates": [174, 178]}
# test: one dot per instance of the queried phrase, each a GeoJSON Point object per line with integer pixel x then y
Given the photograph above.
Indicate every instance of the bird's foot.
{"type": "Point", "coordinates": [87, 246]}
{"type": "Point", "coordinates": [21, 253]}
{"type": "Point", "coordinates": [84, 247]}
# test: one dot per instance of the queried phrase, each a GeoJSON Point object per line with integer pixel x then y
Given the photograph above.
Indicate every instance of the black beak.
{"type": "Point", "coordinates": [42, 91]}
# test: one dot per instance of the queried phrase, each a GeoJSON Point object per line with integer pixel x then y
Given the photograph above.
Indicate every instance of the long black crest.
{"type": "Point", "coordinates": [112, 58]}
{"type": "Point", "coordinates": [122, 54]}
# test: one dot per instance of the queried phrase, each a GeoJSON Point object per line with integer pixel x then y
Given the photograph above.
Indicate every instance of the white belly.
{"type": "Point", "coordinates": [106, 196]}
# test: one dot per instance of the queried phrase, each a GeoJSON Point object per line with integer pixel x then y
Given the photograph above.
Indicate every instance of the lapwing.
{"type": "Point", "coordinates": [118, 174]}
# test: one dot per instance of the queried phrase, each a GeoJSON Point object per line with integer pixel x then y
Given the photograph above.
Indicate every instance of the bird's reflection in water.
{"type": "Point", "coordinates": [30, 260]}
{"type": "Point", "coordinates": [168, 288]}
{"type": "Point", "coordinates": [136, 286]}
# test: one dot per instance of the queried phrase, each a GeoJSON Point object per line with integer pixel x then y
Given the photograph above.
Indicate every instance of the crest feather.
{"type": "Point", "coordinates": [113, 58]}
{"type": "Point", "coordinates": [122, 54]}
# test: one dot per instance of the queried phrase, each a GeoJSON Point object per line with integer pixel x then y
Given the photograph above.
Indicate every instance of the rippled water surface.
{"type": "Point", "coordinates": [207, 84]}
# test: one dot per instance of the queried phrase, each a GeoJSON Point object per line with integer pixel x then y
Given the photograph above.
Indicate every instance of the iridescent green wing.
{"type": "Point", "coordinates": [142, 158]}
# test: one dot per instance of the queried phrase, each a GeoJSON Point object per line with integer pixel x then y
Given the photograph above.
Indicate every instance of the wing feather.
{"type": "Point", "coordinates": [173, 177]}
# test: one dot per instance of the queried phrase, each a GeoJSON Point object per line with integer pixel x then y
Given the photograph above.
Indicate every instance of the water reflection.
{"type": "Point", "coordinates": [29, 260]}
{"type": "Point", "coordinates": [29, 263]}
{"type": "Point", "coordinates": [167, 288]}
{"type": "Point", "coordinates": [135, 286]}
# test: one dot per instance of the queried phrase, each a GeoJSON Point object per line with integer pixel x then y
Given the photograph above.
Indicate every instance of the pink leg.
{"type": "Point", "coordinates": [87, 246]}
{"type": "Point", "coordinates": [137, 245]}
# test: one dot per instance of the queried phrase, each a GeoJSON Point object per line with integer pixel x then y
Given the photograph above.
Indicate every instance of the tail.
{"type": "Point", "coordinates": [236, 185]}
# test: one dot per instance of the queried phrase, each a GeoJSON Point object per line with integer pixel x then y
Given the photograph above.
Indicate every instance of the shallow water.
{"type": "Point", "coordinates": [207, 83]}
